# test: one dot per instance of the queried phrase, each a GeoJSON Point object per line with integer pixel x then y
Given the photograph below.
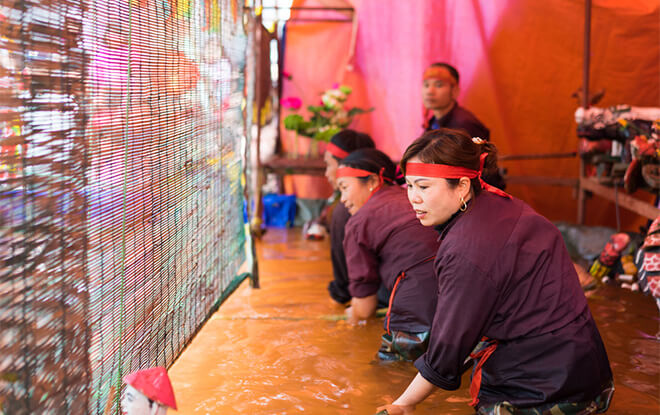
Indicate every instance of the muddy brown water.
{"type": "Point", "coordinates": [281, 350]}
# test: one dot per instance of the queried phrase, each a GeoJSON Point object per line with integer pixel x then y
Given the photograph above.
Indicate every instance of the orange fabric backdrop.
{"type": "Point", "coordinates": [520, 61]}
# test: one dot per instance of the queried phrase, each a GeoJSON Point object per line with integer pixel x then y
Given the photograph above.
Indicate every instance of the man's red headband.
{"type": "Point", "coordinates": [336, 151]}
{"type": "Point", "coordinates": [441, 73]}
{"type": "Point", "coordinates": [445, 171]}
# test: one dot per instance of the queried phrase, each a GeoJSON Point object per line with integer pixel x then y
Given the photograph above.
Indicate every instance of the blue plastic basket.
{"type": "Point", "coordinates": [279, 210]}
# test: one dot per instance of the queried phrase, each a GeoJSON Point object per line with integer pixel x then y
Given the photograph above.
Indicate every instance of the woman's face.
{"type": "Point", "coordinates": [331, 165]}
{"type": "Point", "coordinates": [355, 192]}
{"type": "Point", "coordinates": [433, 199]}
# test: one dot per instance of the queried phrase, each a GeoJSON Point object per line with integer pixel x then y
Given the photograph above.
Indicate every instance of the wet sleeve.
{"type": "Point", "coordinates": [466, 302]}
{"type": "Point", "coordinates": [362, 264]}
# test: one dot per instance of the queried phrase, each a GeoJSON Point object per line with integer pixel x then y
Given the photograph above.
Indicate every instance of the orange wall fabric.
{"type": "Point", "coordinates": [519, 61]}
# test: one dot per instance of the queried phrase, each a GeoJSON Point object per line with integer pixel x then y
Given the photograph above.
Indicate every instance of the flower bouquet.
{"type": "Point", "coordinates": [327, 119]}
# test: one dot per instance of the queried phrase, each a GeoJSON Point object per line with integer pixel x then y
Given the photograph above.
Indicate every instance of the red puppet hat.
{"type": "Point", "coordinates": [154, 384]}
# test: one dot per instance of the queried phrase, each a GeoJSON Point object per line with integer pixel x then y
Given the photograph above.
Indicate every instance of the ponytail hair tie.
{"type": "Point", "coordinates": [382, 178]}
{"type": "Point", "coordinates": [477, 140]}
{"type": "Point", "coordinates": [398, 174]}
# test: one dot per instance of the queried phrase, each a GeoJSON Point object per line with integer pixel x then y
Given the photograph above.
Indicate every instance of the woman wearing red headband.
{"type": "Point", "coordinates": [340, 145]}
{"type": "Point", "coordinates": [385, 244]}
{"type": "Point", "coordinates": [508, 295]}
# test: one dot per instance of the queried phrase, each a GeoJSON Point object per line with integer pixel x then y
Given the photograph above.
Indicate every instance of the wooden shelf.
{"type": "Point", "coordinates": [542, 180]}
{"type": "Point", "coordinates": [282, 165]}
{"type": "Point", "coordinates": [619, 196]}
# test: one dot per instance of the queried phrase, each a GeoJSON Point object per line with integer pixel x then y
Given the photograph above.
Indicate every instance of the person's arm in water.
{"type": "Point", "coordinates": [468, 309]}
{"type": "Point", "coordinates": [362, 308]}
{"type": "Point", "coordinates": [418, 390]}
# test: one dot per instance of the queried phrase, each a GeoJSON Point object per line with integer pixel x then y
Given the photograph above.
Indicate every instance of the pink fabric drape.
{"type": "Point", "coordinates": [519, 62]}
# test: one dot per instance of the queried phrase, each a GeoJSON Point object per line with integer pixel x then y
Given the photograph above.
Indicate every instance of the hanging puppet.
{"type": "Point", "coordinates": [626, 136]}
{"type": "Point", "coordinates": [648, 263]}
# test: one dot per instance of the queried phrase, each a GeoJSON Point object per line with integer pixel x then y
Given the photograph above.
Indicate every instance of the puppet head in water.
{"type": "Point", "coordinates": [148, 392]}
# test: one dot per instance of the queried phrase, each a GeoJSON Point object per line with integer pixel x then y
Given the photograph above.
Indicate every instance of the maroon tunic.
{"type": "Point", "coordinates": [504, 272]}
{"type": "Point", "coordinates": [383, 239]}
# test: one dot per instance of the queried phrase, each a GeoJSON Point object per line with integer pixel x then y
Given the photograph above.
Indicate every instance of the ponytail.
{"type": "Point", "coordinates": [490, 163]}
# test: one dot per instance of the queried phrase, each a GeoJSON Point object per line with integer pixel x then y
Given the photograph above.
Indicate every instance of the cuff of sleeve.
{"type": "Point", "coordinates": [432, 376]}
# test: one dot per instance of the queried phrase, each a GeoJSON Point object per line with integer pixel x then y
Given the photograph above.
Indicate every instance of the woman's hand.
{"type": "Point", "coordinates": [362, 308]}
{"type": "Point", "coordinates": [350, 317]}
{"type": "Point", "coordinates": [416, 392]}
{"type": "Point", "coordinates": [396, 409]}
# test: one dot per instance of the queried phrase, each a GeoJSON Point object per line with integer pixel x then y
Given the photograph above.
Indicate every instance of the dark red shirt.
{"type": "Point", "coordinates": [504, 272]}
{"type": "Point", "coordinates": [383, 239]}
{"type": "Point", "coordinates": [460, 118]}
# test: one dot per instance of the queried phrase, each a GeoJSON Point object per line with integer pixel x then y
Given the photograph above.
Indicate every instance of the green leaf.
{"type": "Point", "coordinates": [293, 122]}
{"type": "Point", "coordinates": [326, 135]}
{"type": "Point", "coordinates": [356, 111]}
{"type": "Point", "coordinates": [308, 131]}
{"type": "Point", "coordinates": [345, 89]}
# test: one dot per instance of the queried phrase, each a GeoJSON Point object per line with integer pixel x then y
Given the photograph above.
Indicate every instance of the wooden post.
{"type": "Point", "coordinates": [258, 98]}
{"type": "Point", "coordinates": [581, 196]}
{"type": "Point", "coordinates": [587, 53]}
{"type": "Point", "coordinates": [255, 223]}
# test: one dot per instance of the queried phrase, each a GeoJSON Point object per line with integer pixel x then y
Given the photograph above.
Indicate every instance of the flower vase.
{"type": "Point", "coordinates": [313, 151]}
{"type": "Point", "coordinates": [293, 153]}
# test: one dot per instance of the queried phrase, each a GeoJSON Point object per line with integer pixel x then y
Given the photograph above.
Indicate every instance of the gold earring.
{"type": "Point", "coordinates": [463, 205]}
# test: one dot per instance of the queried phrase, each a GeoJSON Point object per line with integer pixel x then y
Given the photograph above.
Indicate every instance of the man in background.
{"type": "Point", "coordinates": [440, 90]}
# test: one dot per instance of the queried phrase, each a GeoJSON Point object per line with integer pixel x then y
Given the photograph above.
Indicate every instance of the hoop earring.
{"type": "Point", "coordinates": [463, 206]}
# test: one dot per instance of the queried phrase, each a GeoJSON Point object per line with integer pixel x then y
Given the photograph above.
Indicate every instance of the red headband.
{"type": "Point", "coordinates": [353, 172]}
{"type": "Point", "coordinates": [336, 151]}
{"type": "Point", "coordinates": [445, 171]}
{"type": "Point", "coordinates": [439, 170]}
{"type": "Point", "coordinates": [441, 73]}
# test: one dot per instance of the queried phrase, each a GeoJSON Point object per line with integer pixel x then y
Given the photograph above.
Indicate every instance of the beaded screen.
{"type": "Point", "coordinates": [121, 183]}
